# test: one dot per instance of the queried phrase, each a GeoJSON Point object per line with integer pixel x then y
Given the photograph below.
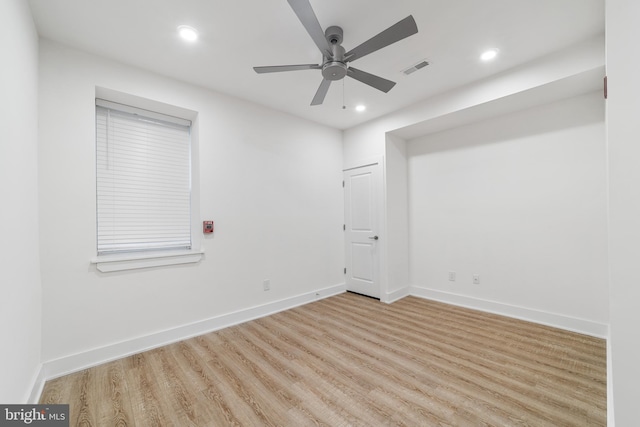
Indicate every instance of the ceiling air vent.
{"type": "Point", "coordinates": [416, 67]}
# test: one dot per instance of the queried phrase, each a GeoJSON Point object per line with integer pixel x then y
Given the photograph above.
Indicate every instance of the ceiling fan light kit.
{"type": "Point", "coordinates": [335, 65]}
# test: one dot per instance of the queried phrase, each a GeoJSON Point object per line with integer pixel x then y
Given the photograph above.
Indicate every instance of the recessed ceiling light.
{"type": "Point", "coordinates": [360, 108]}
{"type": "Point", "coordinates": [489, 54]}
{"type": "Point", "coordinates": [188, 33]}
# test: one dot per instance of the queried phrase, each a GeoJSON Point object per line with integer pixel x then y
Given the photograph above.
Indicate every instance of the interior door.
{"type": "Point", "coordinates": [361, 193]}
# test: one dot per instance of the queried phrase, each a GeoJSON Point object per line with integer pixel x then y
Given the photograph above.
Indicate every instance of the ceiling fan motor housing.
{"type": "Point", "coordinates": [334, 68]}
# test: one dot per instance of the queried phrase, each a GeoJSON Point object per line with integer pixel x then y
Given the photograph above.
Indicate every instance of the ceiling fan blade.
{"type": "Point", "coordinates": [405, 28]}
{"type": "Point", "coordinates": [321, 93]}
{"type": "Point", "coordinates": [305, 13]}
{"type": "Point", "coordinates": [372, 80]}
{"type": "Point", "coordinates": [279, 68]}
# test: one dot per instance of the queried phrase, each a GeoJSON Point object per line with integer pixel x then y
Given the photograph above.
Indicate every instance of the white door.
{"type": "Point", "coordinates": [361, 197]}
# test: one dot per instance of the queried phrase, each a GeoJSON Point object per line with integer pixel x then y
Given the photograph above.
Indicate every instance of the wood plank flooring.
{"type": "Point", "coordinates": [349, 360]}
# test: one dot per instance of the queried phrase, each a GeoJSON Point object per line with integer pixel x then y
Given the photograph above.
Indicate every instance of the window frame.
{"type": "Point", "coordinates": [154, 258]}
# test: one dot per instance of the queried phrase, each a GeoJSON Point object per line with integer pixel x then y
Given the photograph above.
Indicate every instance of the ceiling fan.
{"type": "Point", "coordinates": [335, 63]}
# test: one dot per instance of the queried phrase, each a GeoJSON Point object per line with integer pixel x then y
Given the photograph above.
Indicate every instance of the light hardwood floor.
{"type": "Point", "coordinates": [352, 361]}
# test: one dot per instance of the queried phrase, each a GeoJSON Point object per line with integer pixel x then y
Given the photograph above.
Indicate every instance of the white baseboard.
{"type": "Point", "coordinates": [86, 359]}
{"type": "Point", "coordinates": [38, 386]}
{"type": "Point", "coordinates": [393, 296]}
{"type": "Point", "coordinates": [573, 324]}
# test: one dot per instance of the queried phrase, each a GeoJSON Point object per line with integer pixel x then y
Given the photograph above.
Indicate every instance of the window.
{"type": "Point", "coordinates": [143, 191]}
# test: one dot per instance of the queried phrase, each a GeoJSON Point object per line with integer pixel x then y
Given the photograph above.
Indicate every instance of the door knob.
{"type": "Point", "coordinates": [374, 238]}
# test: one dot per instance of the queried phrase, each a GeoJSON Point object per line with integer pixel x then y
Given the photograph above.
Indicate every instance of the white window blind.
{"type": "Point", "coordinates": [143, 163]}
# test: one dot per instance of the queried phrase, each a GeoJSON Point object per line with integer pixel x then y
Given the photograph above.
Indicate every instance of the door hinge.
{"type": "Point", "coordinates": [344, 227]}
{"type": "Point", "coordinates": [343, 183]}
{"type": "Point", "coordinates": [345, 270]}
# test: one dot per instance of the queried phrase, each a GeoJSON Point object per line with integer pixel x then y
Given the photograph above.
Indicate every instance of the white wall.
{"type": "Point", "coordinates": [576, 70]}
{"type": "Point", "coordinates": [397, 218]}
{"type": "Point", "coordinates": [271, 182]}
{"type": "Point", "coordinates": [623, 136]}
{"type": "Point", "coordinates": [20, 303]}
{"type": "Point", "coordinates": [519, 200]}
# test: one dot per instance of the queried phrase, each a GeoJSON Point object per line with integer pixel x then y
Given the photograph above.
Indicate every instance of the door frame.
{"type": "Point", "coordinates": [382, 229]}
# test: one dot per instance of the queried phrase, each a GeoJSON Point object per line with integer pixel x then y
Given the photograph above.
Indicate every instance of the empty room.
{"type": "Point", "coordinates": [303, 212]}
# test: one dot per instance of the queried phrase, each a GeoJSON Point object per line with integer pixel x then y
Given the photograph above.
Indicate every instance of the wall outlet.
{"type": "Point", "coordinates": [452, 276]}
{"type": "Point", "coordinates": [476, 279]}
{"type": "Point", "coordinates": [266, 285]}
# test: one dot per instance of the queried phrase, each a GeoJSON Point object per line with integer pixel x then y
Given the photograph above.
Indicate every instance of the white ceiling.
{"type": "Point", "coordinates": [237, 35]}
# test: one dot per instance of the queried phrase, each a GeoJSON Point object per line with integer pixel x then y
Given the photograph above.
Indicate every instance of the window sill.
{"type": "Point", "coordinates": [121, 262]}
